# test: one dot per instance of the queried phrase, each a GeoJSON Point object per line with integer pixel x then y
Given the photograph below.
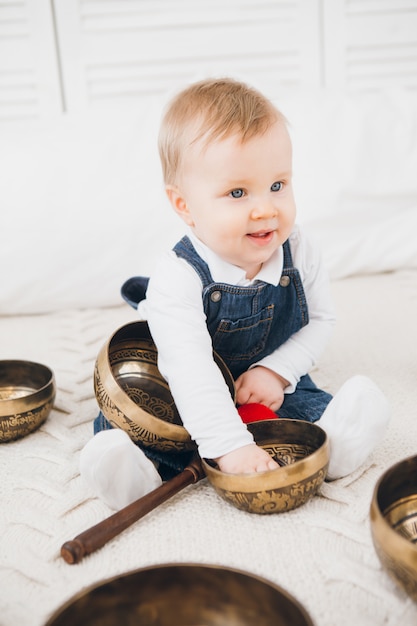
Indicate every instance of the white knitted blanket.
{"type": "Point", "coordinates": [322, 553]}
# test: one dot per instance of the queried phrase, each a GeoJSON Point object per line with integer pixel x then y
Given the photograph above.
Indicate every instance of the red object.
{"type": "Point", "coordinates": [255, 412]}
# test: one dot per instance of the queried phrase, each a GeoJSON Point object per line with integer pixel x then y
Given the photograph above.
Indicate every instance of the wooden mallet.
{"type": "Point", "coordinates": [97, 536]}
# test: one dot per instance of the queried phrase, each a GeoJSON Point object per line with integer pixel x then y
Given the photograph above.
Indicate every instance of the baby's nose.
{"type": "Point", "coordinates": [264, 209]}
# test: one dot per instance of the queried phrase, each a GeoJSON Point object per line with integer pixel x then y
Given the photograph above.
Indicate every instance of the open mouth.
{"type": "Point", "coordinates": [262, 236]}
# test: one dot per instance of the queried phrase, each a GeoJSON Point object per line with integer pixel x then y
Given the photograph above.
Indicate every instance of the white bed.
{"type": "Point", "coordinates": [83, 220]}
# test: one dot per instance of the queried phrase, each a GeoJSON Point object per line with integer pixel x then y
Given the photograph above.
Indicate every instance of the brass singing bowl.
{"type": "Point", "coordinates": [394, 523]}
{"type": "Point", "coordinates": [133, 395]}
{"type": "Point", "coordinates": [183, 595]}
{"type": "Point", "coordinates": [27, 394]}
{"type": "Point", "coordinates": [302, 452]}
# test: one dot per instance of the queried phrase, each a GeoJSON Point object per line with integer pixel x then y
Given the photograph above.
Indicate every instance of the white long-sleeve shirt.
{"type": "Point", "coordinates": [175, 314]}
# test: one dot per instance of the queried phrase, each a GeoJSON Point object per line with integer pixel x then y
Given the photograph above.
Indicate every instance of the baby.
{"type": "Point", "coordinates": [244, 281]}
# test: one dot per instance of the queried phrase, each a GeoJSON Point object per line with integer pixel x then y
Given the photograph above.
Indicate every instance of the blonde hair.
{"type": "Point", "coordinates": [211, 109]}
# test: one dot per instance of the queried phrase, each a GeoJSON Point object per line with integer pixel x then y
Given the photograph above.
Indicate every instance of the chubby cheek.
{"type": "Point", "coordinates": [221, 237]}
{"type": "Point", "coordinates": [219, 224]}
{"type": "Point", "coordinates": [291, 208]}
{"type": "Point", "coordinates": [289, 218]}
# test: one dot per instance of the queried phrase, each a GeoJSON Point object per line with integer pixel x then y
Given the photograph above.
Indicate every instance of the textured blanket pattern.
{"type": "Point", "coordinates": [322, 553]}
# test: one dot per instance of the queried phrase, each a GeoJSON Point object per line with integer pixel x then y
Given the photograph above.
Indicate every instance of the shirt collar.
{"type": "Point", "coordinates": [224, 272]}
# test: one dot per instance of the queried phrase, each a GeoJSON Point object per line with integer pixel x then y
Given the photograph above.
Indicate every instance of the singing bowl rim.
{"type": "Point", "coordinates": [126, 405]}
{"type": "Point", "coordinates": [34, 399]}
{"type": "Point", "coordinates": [281, 592]}
{"type": "Point", "coordinates": [249, 483]}
{"type": "Point", "coordinates": [123, 403]}
{"type": "Point", "coordinates": [386, 539]}
{"type": "Point", "coordinates": [23, 414]}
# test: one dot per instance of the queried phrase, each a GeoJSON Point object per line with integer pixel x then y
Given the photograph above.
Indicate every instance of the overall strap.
{"type": "Point", "coordinates": [288, 263]}
{"type": "Point", "coordinates": [184, 249]}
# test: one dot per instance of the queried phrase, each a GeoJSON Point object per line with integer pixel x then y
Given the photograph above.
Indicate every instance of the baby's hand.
{"type": "Point", "coordinates": [262, 385]}
{"type": "Point", "coordinates": [245, 460]}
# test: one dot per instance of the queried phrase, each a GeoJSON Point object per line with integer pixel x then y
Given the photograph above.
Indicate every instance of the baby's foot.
{"type": "Point", "coordinates": [355, 422]}
{"type": "Point", "coordinates": [116, 470]}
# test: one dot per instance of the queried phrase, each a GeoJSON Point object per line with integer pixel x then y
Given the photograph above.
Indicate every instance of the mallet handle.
{"type": "Point", "coordinates": [96, 536]}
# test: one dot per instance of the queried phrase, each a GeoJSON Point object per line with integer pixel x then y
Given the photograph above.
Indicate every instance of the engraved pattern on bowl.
{"type": "Point", "coordinates": [133, 395]}
{"type": "Point", "coordinates": [301, 450]}
{"type": "Point", "coordinates": [136, 372]}
{"type": "Point", "coordinates": [27, 394]}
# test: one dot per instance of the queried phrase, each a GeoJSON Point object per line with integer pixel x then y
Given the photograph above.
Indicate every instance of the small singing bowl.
{"type": "Point", "coordinates": [302, 453]}
{"type": "Point", "coordinates": [394, 523]}
{"type": "Point", "coordinates": [133, 395]}
{"type": "Point", "coordinates": [27, 394]}
{"type": "Point", "coordinates": [183, 595]}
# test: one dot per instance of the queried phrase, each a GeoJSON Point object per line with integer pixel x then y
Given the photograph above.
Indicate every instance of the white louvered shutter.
{"type": "Point", "coordinates": [114, 50]}
{"type": "Point", "coordinates": [370, 44]}
{"type": "Point", "coordinates": [29, 78]}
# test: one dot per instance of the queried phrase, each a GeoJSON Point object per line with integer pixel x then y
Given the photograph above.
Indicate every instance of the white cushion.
{"type": "Point", "coordinates": [83, 206]}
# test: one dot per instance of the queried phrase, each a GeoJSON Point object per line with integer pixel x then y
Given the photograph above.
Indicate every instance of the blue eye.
{"type": "Point", "coordinates": [276, 186]}
{"type": "Point", "coordinates": [237, 193]}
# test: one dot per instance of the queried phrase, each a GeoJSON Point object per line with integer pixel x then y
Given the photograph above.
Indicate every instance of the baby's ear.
{"type": "Point", "coordinates": [178, 203]}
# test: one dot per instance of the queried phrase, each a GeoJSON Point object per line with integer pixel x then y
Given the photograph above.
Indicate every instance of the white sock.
{"type": "Point", "coordinates": [116, 470]}
{"type": "Point", "coordinates": [355, 421]}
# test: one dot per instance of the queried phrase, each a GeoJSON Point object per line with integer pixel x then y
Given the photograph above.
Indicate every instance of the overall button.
{"type": "Point", "coordinates": [216, 296]}
{"type": "Point", "coordinates": [285, 281]}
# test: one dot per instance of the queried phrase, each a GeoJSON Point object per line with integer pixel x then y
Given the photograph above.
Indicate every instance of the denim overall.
{"type": "Point", "coordinates": [246, 324]}
{"type": "Point", "coordinates": [249, 323]}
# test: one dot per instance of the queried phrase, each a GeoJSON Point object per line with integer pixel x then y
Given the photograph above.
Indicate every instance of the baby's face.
{"type": "Point", "coordinates": [238, 198]}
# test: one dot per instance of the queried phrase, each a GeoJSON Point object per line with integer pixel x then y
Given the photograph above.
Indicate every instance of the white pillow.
{"type": "Point", "coordinates": [355, 176]}
{"type": "Point", "coordinates": [367, 242]}
{"type": "Point", "coordinates": [83, 206]}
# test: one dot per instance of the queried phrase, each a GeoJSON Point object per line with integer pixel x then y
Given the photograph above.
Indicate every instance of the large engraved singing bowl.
{"type": "Point", "coordinates": [27, 394]}
{"type": "Point", "coordinates": [133, 395]}
{"type": "Point", "coordinates": [394, 523]}
{"type": "Point", "coordinates": [300, 449]}
{"type": "Point", "coordinates": [183, 595]}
